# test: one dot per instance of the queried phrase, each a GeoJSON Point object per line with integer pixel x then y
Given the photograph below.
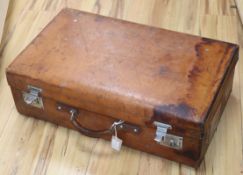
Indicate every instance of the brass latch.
{"type": "Point", "coordinates": [163, 138]}
{"type": "Point", "coordinates": [32, 97]}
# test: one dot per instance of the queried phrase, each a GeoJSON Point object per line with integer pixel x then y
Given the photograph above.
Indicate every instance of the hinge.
{"type": "Point", "coordinates": [32, 97]}
{"type": "Point", "coordinates": [163, 138]}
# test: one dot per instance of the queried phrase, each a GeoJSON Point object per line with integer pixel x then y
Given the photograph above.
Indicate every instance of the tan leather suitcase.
{"type": "Point", "coordinates": [162, 91]}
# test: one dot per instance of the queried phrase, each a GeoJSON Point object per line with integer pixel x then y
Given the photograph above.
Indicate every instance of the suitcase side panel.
{"type": "Point", "coordinates": [218, 106]}
{"type": "Point", "coordinates": [21, 83]}
{"type": "Point", "coordinates": [189, 155]}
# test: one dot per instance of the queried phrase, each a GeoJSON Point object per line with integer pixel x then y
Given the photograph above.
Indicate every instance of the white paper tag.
{"type": "Point", "coordinates": [116, 143]}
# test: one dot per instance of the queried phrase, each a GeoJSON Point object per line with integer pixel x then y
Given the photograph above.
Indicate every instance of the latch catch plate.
{"type": "Point", "coordinates": [163, 138]}
{"type": "Point", "coordinates": [32, 97]}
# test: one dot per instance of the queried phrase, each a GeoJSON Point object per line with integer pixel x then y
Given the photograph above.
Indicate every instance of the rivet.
{"type": "Point", "coordinates": [59, 107]}
{"type": "Point", "coordinates": [172, 142]}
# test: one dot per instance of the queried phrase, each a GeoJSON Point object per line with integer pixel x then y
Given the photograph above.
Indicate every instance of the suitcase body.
{"type": "Point", "coordinates": [164, 92]}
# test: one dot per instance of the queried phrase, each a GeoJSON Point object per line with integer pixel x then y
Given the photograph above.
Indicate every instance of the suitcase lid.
{"type": "Point", "coordinates": [124, 70]}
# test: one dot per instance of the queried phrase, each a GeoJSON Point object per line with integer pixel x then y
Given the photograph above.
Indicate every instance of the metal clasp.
{"type": "Point", "coordinates": [163, 138]}
{"type": "Point", "coordinates": [161, 131]}
{"type": "Point", "coordinates": [32, 97]}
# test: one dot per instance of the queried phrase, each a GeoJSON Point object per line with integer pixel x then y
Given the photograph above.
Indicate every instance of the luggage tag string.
{"type": "Point", "coordinates": [115, 131]}
{"type": "Point", "coordinates": [115, 124]}
{"type": "Point", "coordinates": [116, 142]}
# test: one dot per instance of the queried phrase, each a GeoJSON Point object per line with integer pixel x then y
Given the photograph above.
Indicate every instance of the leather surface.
{"type": "Point", "coordinates": [125, 70]}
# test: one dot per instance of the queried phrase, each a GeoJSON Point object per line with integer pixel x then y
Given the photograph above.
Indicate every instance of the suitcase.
{"type": "Point", "coordinates": [158, 91]}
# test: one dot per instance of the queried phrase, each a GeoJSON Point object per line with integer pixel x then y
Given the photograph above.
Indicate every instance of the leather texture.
{"type": "Point", "coordinates": [115, 69]}
{"type": "Point", "coordinates": [123, 69]}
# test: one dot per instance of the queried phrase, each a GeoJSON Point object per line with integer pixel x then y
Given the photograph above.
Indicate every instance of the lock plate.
{"type": "Point", "coordinates": [172, 141]}
{"type": "Point", "coordinates": [32, 98]}
{"type": "Point", "coordinates": [163, 138]}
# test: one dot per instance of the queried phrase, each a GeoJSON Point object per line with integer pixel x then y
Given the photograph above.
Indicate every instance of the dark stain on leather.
{"type": "Point", "coordinates": [195, 71]}
{"type": "Point", "coordinates": [193, 74]}
{"type": "Point", "coordinates": [192, 155]}
{"type": "Point", "coordinates": [181, 110]}
{"type": "Point", "coordinates": [212, 41]}
{"type": "Point", "coordinates": [200, 46]}
{"type": "Point", "coordinates": [207, 41]}
{"type": "Point", "coordinates": [197, 49]}
{"type": "Point", "coordinates": [163, 70]}
{"type": "Point", "coordinates": [99, 18]}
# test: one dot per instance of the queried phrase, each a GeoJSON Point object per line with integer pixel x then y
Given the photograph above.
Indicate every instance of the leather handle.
{"type": "Point", "coordinates": [118, 125]}
{"type": "Point", "coordinates": [89, 132]}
